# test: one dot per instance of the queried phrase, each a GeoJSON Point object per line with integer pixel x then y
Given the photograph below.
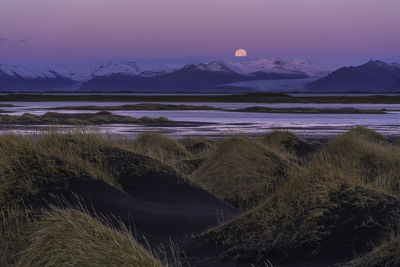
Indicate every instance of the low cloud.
{"type": "Point", "coordinates": [23, 41]}
{"type": "Point", "coordinates": [3, 39]}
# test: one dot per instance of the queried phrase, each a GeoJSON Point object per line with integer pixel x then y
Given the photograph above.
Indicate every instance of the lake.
{"type": "Point", "coordinates": [221, 123]}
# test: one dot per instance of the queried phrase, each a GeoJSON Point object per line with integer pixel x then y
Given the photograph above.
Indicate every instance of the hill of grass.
{"type": "Point", "coordinates": [86, 199]}
{"type": "Point", "coordinates": [243, 171]}
{"type": "Point", "coordinates": [85, 169]}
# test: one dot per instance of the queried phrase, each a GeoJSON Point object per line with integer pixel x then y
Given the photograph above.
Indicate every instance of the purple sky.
{"type": "Point", "coordinates": [56, 30]}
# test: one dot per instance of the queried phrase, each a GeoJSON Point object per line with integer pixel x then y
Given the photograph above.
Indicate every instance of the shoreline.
{"type": "Point", "coordinates": [233, 98]}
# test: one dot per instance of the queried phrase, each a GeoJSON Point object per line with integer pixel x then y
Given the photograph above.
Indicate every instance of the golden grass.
{"type": "Point", "coordinates": [243, 172]}
{"type": "Point", "coordinates": [159, 147]}
{"type": "Point", "coordinates": [344, 182]}
{"type": "Point", "coordinates": [288, 142]}
{"type": "Point", "coordinates": [199, 146]}
{"type": "Point", "coordinates": [13, 232]}
{"type": "Point", "coordinates": [303, 218]}
{"type": "Point", "coordinates": [68, 237]}
{"type": "Point", "coordinates": [366, 157]}
{"type": "Point", "coordinates": [289, 209]}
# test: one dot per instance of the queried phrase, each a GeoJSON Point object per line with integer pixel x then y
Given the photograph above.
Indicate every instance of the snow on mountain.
{"type": "Point", "coordinates": [272, 65]}
{"type": "Point", "coordinates": [383, 65]}
{"type": "Point", "coordinates": [306, 67]}
{"type": "Point", "coordinates": [84, 73]}
{"type": "Point", "coordinates": [27, 72]}
{"type": "Point", "coordinates": [117, 67]}
{"type": "Point", "coordinates": [214, 66]}
{"type": "Point", "coordinates": [151, 73]}
{"type": "Point", "coordinates": [243, 66]}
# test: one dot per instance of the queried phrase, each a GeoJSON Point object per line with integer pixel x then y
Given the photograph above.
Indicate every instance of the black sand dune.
{"type": "Point", "coordinates": [156, 201]}
{"type": "Point", "coordinates": [181, 209]}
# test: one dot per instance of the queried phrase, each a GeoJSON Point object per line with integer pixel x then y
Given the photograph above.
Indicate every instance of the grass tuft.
{"type": "Point", "coordinates": [243, 172]}
{"type": "Point", "coordinates": [68, 237]}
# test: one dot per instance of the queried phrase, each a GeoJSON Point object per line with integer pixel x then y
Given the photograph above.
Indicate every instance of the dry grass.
{"type": "Point", "coordinates": [34, 167]}
{"type": "Point", "coordinates": [366, 157]}
{"type": "Point", "coordinates": [14, 228]}
{"type": "Point", "coordinates": [68, 237]}
{"type": "Point", "coordinates": [159, 147]}
{"type": "Point", "coordinates": [243, 172]}
{"type": "Point", "coordinates": [288, 142]}
{"type": "Point", "coordinates": [334, 203]}
{"type": "Point", "coordinates": [199, 146]}
{"type": "Point", "coordinates": [387, 253]}
{"type": "Point", "coordinates": [317, 212]}
{"type": "Point", "coordinates": [46, 163]}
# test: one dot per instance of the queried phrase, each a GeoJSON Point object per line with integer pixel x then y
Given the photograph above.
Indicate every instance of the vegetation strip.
{"type": "Point", "coordinates": [236, 98]}
{"type": "Point", "coordinates": [260, 109]}
{"type": "Point", "coordinates": [102, 117]}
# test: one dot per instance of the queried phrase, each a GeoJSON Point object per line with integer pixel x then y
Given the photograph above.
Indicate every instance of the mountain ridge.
{"type": "Point", "coordinates": [21, 78]}
{"type": "Point", "coordinates": [203, 76]}
{"type": "Point", "coordinates": [373, 76]}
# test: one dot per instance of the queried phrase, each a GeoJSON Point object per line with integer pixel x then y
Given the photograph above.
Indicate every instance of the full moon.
{"type": "Point", "coordinates": [240, 53]}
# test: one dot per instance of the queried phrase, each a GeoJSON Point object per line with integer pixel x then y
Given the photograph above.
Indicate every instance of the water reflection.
{"type": "Point", "coordinates": [220, 123]}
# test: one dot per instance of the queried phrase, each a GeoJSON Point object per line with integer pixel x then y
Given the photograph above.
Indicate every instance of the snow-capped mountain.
{"type": "Point", "coordinates": [128, 75]}
{"type": "Point", "coordinates": [240, 66]}
{"type": "Point", "coordinates": [153, 73]}
{"type": "Point", "coordinates": [213, 66]}
{"type": "Point", "coordinates": [117, 67]}
{"type": "Point", "coordinates": [22, 78]}
{"type": "Point", "coordinates": [27, 72]}
{"type": "Point", "coordinates": [107, 68]}
{"type": "Point", "coordinates": [210, 76]}
{"type": "Point", "coordinates": [273, 65]}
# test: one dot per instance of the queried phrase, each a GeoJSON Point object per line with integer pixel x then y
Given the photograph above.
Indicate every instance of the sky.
{"type": "Point", "coordinates": [68, 30]}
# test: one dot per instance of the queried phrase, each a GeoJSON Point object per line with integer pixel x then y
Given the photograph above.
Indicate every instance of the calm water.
{"type": "Point", "coordinates": [219, 123]}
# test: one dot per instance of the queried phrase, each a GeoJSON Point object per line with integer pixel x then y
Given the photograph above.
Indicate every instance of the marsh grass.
{"type": "Point", "coordinates": [200, 146]}
{"type": "Point", "coordinates": [159, 146]}
{"type": "Point", "coordinates": [337, 201]}
{"type": "Point", "coordinates": [68, 236]}
{"type": "Point", "coordinates": [288, 142]}
{"type": "Point", "coordinates": [316, 212]}
{"type": "Point", "coordinates": [142, 106]}
{"type": "Point", "coordinates": [248, 97]}
{"type": "Point", "coordinates": [155, 106]}
{"type": "Point", "coordinates": [54, 118]}
{"type": "Point", "coordinates": [365, 157]}
{"type": "Point", "coordinates": [64, 237]}
{"type": "Point", "coordinates": [44, 163]}
{"type": "Point", "coordinates": [13, 232]}
{"type": "Point", "coordinates": [243, 171]}
{"type": "Point", "coordinates": [342, 200]}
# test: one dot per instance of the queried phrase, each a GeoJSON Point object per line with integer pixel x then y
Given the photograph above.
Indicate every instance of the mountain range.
{"type": "Point", "coordinates": [128, 76]}
{"type": "Point", "coordinates": [219, 75]}
{"type": "Point", "coordinates": [21, 78]}
{"type": "Point", "coordinates": [374, 76]}
{"type": "Point", "coordinates": [209, 76]}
